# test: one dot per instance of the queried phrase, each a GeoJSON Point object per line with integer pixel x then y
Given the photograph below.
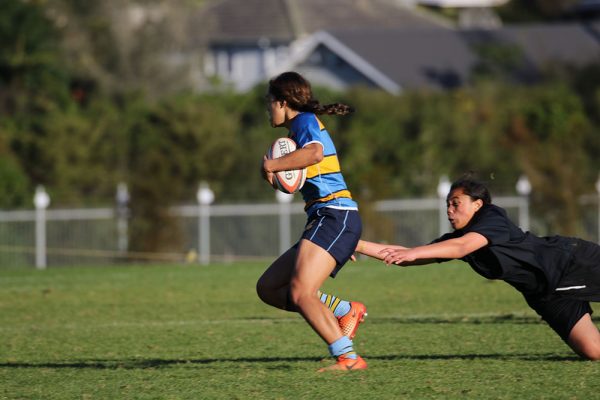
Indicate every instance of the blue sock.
{"type": "Point", "coordinates": [338, 306]}
{"type": "Point", "coordinates": [342, 346]}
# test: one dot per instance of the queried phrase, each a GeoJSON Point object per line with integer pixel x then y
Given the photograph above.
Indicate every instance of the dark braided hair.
{"type": "Point", "coordinates": [292, 88]}
{"type": "Point", "coordinates": [473, 188]}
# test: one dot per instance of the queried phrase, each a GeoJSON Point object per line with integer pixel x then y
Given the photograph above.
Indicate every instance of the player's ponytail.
{"type": "Point", "coordinates": [292, 88]}
{"type": "Point", "coordinates": [331, 109]}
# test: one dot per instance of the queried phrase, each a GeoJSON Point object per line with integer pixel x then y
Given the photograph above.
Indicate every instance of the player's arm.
{"type": "Point", "coordinates": [310, 154]}
{"type": "Point", "coordinates": [446, 249]}
{"type": "Point", "coordinates": [376, 250]}
{"type": "Point", "coordinates": [372, 249]}
{"type": "Point", "coordinates": [267, 176]}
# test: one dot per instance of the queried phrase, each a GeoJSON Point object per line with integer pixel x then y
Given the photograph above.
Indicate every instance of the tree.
{"type": "Point", "coordinates": [547, 129]}
{"type": "Point", "coordinates": [173, 146]}
{"type": "Point", "coordinates": [14, 184]}
{"type": "Point", "coordinates": [125, 45]}
{"type": "Point", "coordinates": [31, 77]}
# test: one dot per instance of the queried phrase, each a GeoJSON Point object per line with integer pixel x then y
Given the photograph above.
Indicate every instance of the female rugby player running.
{"type": "Point", "coordinates": [333, 229]}
{"type": "Point", "coordinates": [558, 276]}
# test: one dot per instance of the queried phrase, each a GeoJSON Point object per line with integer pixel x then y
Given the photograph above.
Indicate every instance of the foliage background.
{"type": "Point", "coordinates": [84, 105]}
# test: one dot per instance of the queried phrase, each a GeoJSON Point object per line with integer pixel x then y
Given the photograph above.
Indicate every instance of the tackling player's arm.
{"type": "Point", "coordinates": [378, 250]}
{"type": "Point", "coordinates": [309, 155]}
{"type": "Point", "coordinates": [427, 254]}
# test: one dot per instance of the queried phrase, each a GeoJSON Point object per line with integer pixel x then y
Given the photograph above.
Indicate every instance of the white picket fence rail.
{"type": "Point", "coordinates": [220, 232]}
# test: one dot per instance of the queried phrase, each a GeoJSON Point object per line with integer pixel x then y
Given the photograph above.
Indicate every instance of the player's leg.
{"type": "Point", "coordinates": [313, 266]}
{"type": "Point", "coordinates": [584, 338]}
{"type": "Point", "coordinates": [295, 288]}
{"type": "Point", "coordinates": [582, 280]}
{"type": "Point", "coordinates": [571, 320]}
{"type": "Point", "coordinates": [350, 314]}
{"type": "Point", "coordinates": [273, 288]}
{"type": "Point", "coordinates": [274, 284]}
{"type": "Point", "coordinates": [337, 306]}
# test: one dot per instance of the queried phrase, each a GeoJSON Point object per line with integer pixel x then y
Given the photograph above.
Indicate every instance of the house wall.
{"type": "Point", "coordinates": [244, 66]}
{"type": "Point", "coordinates": [325, 68]}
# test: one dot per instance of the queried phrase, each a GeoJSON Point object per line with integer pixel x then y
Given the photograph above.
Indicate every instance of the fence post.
{"type": "Point", "coordinates": [285, 224]}
{"type": "Point", "coordinates": [41, 200]}
{"type": "Point", "coordinates": [205, 197]}
{"type": "Point", "coordinates": [524, 189]}
{"type": "Point", "coordinates": [442, 190]}
{"type": "Point", "coordinates": [122, 199]}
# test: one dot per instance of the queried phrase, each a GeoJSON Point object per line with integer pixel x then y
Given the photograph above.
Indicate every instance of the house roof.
{"type": "Point", "coordinates": [415, 58]}
{"type": "Point", "coordinates": [395, 59]}
{"type": "Point", "coordinates": [239, 21]}
{"type": "Point", "coordinates": [575, 43]}
{"type": "Point", "coordinates": [247, 21]}
{"type": "Point", "coordinates": [362, 14]}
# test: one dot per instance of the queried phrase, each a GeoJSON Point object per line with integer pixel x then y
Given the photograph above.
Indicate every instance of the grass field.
{"type": "Point", "coordinates": [191, 332]}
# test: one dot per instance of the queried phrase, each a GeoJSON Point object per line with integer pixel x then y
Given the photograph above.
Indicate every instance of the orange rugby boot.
{"type": "Point", "coordinates": [346, 364]}
{"type": "Point", "coordinates": [349, 323]}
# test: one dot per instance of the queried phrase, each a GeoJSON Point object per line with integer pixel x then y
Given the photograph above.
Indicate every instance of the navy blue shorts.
{"type": "Point", "coordinates": [336, 231]}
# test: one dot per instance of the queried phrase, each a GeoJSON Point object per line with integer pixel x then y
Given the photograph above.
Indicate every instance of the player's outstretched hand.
{"type": "Point", "coordinates": [396, 255]}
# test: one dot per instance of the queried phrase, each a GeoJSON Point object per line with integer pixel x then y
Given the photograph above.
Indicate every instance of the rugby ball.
{"type": "Point", "coordinates": [287, 181]}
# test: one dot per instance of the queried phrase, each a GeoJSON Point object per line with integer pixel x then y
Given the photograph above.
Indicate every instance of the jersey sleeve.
{"type": "Point", "coordinates": [491, 223]}
{"type": "Point", "coordinates": [446, 236]}
{"type": "Point", "coordinates": [307, 130]}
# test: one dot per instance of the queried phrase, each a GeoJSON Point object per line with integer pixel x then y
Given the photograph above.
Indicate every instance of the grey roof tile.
{"type": "Point", "coordinates": [437, 58]}
{"type": "Point", "coordinates": [285, 20]}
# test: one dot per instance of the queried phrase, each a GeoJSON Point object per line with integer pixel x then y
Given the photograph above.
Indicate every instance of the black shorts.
{"type": "Point", "coordinates": [336, 231]}
{"type": "Point", "coordinates": [561, 313]}
{"type": "Point", "coordinates": [581, 279]}
{"type": "Point", "coordinates": [579, 285]}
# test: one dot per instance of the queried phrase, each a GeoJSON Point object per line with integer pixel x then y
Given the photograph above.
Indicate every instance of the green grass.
{"type": "Point", "coordinates": [191, 332]}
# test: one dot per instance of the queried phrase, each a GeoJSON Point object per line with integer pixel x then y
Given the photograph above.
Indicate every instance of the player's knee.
{"type": "Point", "coordinates": [584, 339]}
{"type": "Point", "coordinates": [588, 349]}
{"type": "Point", "coordinates": [262, 290]}
{"type": "Point", "coordinates": [592, 352]}
{"type": "Point", "coordinates": [294, 297]}
{"type": "Point", "coordinates": [298, 295]}
{"type": "Point", "coordinates": [594, 357]}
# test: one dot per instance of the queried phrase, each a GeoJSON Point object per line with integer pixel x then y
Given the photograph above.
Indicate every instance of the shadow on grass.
{"type": "Point", "coordinates": [160, 363]}
{"type": "Point", "coordinates": [475, 319]}
{"type": "Point", "coordinates": [462, 319]}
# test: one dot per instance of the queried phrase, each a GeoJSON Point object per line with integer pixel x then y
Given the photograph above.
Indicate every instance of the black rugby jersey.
{"type": "Point", "coordinates": [533, 265]}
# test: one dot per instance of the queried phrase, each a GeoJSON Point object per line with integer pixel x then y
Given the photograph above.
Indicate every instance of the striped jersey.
{"type": "Point", "coordinates": [325, 185]}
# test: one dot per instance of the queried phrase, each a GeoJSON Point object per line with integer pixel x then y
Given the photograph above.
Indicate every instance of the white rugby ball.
{"type": "Point", "coordinates": [287, 181]}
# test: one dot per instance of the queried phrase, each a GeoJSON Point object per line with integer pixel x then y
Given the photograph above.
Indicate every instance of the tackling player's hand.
{"type": "Point", "coordinates": [396, 255]}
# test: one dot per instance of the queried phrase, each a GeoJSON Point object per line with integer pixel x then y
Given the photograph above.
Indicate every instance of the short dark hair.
{"type": "Point", "coordinates": [473, 188]}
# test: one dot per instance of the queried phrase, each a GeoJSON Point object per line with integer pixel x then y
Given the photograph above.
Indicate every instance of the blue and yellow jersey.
{"type": "Point", "coordinates": [325, 185]}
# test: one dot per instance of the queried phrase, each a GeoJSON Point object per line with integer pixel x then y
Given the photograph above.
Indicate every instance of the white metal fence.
{"type": "Point", "coordinates": [220, 233]}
